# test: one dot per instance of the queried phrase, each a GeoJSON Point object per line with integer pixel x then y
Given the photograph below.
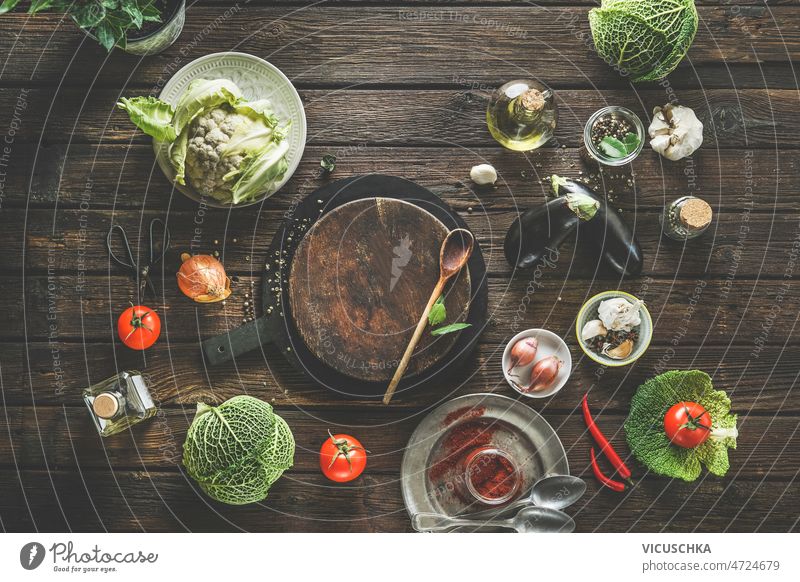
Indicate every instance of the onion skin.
{"type": "Point", "coordinates": [202, 279]}
{"type": "Point", "coordinates": [523, 352]}
{"type": "Point", "coordinates": [543, 373]}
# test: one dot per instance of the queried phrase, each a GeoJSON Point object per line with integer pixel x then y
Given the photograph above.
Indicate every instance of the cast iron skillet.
{"type": "Point", "coordinates": [276, 326]}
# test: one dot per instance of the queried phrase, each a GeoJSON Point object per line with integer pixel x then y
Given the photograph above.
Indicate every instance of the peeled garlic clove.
{"type": "Point", "coordinates": [483, 174]}
{"type": "Point", "coordinates": [620, 352]}
{"type": "Point", "coordinates": [593, 329]}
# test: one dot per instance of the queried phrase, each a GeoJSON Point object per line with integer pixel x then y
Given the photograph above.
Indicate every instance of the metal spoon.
{"type": "Point", "coordinates": [553, 491]}
{"type": "Point", "coordinates": [531, 519]}
{"type": "Point", "coordinates": [456, 250]}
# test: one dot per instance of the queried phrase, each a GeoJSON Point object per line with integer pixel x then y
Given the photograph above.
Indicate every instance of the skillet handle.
{"type": "Point", "coordinates": [245, 338]}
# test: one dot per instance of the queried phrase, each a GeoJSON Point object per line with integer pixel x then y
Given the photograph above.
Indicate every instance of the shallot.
{"type": "Point", "coordinates": [543, 373]}
{"type": "Point", "coordinates": [523, 352]}
{"type": "Point", "coordinates": [202, 278]}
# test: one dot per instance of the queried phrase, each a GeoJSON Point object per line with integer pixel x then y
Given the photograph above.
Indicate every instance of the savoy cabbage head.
{"type": "Point", "coordinates": [237, 450]}
{"type": "Point", "coordinates": [646, 39]}
{"type": "Point", "coordinates": [644, 428]}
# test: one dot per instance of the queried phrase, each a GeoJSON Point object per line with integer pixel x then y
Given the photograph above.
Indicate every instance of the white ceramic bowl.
{"type": "Point", "coordinates": [549, 345]}
{"type": "Point", "coordinates": [257, 79]}
{"type": "Point", "coordinates": [589, 312]}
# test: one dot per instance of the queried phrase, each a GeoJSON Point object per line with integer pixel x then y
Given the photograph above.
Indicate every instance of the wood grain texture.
{"type": "Point", "coordinates": [411, 105]}
{"type": "Point", "coordinates": [359, 281]}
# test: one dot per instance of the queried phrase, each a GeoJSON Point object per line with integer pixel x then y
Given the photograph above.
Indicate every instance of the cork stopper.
{"type": "Point", "coordinates": [105, 405]}
{"type": "Point", "coordinates": [532, 100]}
{"type": "Point", "coordinates": [695, 213]}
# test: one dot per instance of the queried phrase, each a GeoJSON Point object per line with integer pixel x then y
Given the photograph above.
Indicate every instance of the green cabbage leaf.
{"type": "Point", "coordinates": [237, 450]}
{"type": "Point", "coordinates": [644, 427]}
{"type": "Point", "coordinates": [646, 39]}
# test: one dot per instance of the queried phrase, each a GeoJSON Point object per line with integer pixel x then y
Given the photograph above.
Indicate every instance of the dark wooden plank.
{"type": "Point", "coordinates": [153, 501]}
{"type": "Point", "coordinates": [741, 244]}
{"type": "Point", "coordinates": [694, 312]}
{"type": "Point", "coordinates": [41, 374]}
{"type": "Point", "coordinates": [314, 46]}
{"type": "Point", "coordinates": [120, 176]}
{"type": "Point", "coordinates": [767, 446]}
{"type": "Point", "coordinates": [739, 119]}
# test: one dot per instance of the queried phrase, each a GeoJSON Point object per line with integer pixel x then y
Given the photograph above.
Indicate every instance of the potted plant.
{"type": "Point", "coordinates": [139, 27]}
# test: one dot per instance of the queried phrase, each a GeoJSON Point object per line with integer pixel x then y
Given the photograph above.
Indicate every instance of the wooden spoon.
{"type": "Point", "coordinates": [456, 250]}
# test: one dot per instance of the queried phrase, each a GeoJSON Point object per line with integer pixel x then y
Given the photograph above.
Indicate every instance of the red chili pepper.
{"type": "Point", "coordinates": [607, 481]}
{"type": "Point", "coordinates": [605, 446]}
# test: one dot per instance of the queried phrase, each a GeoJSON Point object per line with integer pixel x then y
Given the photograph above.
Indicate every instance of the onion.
{"type": "Point", "coordinates": [523, 352]}
{"type": "Point", "coordinates": [202, 278]}
{"type": "Point", "coordinates": [543, 373]}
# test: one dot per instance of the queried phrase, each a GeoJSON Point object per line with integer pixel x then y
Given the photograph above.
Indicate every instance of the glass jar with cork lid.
{"type": "Point", "coordinates": [686, 218]}
{"type": "Point", "coordinates": [522, 115]}
{"type": "Point", "coordinates": [119, 402]}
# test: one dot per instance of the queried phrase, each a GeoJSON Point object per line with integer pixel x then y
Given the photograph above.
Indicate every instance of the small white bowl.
{"type": "Point", "coordinates": [549, 345]}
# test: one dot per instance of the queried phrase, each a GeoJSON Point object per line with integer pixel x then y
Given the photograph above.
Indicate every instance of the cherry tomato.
{"type": "Point", "coordinates": [687, 424]}
{"type": "Point", "coordinates": [138, 327]}
{"type": "Point", "coordinates": [342, 458]}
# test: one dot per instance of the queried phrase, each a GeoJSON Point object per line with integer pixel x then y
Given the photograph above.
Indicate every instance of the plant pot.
{"type": "Point", "coordinates": [153, 40]}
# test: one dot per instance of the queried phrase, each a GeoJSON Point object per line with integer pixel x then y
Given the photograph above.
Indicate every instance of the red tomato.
{"type": "Point", "coordinates": [138, 327]}
{"type": "Point", "coordinates": [342, 458]}
{"type": "Point", "coordinates": [687, 424]}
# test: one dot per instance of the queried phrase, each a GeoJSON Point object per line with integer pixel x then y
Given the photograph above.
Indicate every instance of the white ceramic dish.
{"type": "Point", "coordinates": [549, 345]}
{"type": "Point", "coordinates": [257, 79]}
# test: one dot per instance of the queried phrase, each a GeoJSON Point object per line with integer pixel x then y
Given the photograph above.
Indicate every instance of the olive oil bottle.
{"type": "Point", "coordinates": [522, 115]}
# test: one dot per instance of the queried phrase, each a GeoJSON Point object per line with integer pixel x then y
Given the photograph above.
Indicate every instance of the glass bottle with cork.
{"type": "Point", "coordinates": [686, 218]}
{"type": "Point", "coordinates": [522, 115]}
{"type": "Point", "coordinates": [119, 402]}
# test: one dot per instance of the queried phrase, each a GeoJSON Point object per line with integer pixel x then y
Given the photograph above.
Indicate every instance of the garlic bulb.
{"type": "Point", "coordinates": [619, 314]}
{"type": "Point", "coordinates": [593, 328]}
{"type": "Point", "coordinates": [483, 174]}
{"type": "Point", "coordinates": [675, 131]}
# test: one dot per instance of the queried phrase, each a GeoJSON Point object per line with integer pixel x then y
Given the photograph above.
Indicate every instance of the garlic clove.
{"type": "Point", "coordinates": [620, 352]}
{"type": "Point", "coordinates": [483, 174]}
{"type": "Point", "coordinates": [593, 329]}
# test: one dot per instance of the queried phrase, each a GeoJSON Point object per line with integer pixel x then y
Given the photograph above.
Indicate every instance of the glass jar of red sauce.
{"type": "Point", "coordinates": [491, 476]}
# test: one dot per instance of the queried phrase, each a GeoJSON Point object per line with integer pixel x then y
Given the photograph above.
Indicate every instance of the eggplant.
{"type": "Point", "coordinates": [544, 228]}
{"type": "Point", "coordinates": [606, 231]}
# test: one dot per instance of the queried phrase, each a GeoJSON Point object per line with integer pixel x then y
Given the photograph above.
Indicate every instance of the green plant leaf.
{"type": "Point", "coordinates": [106, 35]}
{"type": "Point", "coordinates": [151, 115]}
{"type": "Point", "coordinates": [131, 8]}
{"type": "Point", "coordinates": [8, 5]}
{"type": "Point", "coordinates": [328, 163]}
{"type": "Point", "coordinates": [89, 16]}
{"type": "Point", "coordinates": [631, 142]}
{"type": "Point", "coordinates": [438, 312]}
{"type": "Point", "coordinates": [450, 328]}
{"type": "Point", "coordinates": [612, 147]}
{"type": "Point", "coordinates": [40, 5]}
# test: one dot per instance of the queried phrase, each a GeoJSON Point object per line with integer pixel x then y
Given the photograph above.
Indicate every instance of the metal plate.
{"type": "Point", "coordinates": [519, 430]}
{"type": "Point", "coordinates": [257, 79]}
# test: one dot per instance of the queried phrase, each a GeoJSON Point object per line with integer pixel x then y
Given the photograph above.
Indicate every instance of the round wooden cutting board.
{"type": "Point", "coordinates": [359, 281]}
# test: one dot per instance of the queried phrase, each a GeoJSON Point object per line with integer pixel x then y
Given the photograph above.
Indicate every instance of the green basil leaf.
{"type": "Point", "coordinates": [438, 312]}
{"type": "Point", "coordinates": [631, 142]}
{"type": "Point", "coordinates": [612, 147]}
{"type": "Point", "coordinates": [450, 328]}
{"type": "Point", "coordinates": [39, 5]}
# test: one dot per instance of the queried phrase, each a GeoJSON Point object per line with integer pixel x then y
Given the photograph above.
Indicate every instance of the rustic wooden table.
{"type": "Point", "coordinates": [396, 87]}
